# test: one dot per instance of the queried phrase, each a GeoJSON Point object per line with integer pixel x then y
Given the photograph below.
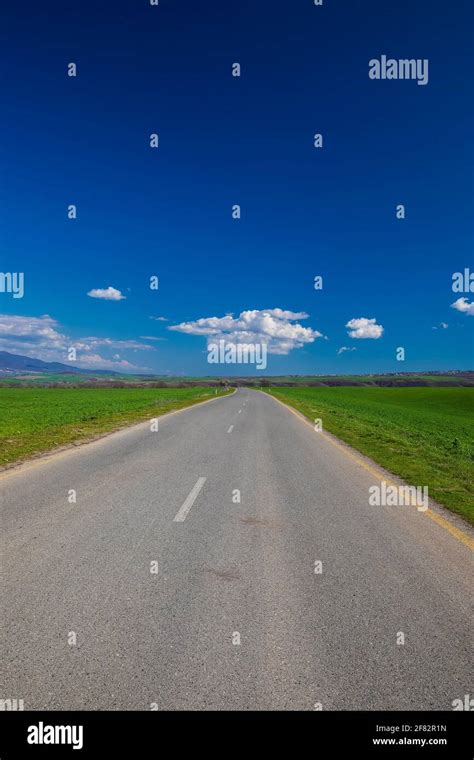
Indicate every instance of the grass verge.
{"type": "Point", "coordinates": [33, 421]}
{"type": "Point", "coordinates": [423, 435]}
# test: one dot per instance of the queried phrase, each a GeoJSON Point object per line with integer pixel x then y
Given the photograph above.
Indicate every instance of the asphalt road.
{"type": "Point", "coordinates": [227, 572]}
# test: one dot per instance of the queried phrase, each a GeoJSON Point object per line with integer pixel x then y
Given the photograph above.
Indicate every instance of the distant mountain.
{"type": "Point", "coordinates": [18, 363]}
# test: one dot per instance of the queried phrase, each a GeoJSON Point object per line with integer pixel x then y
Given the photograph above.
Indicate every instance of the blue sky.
{"type": "Point", "coordinates": [245, 140]}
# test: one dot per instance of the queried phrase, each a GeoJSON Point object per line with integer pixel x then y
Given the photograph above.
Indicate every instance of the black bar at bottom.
{"type": "Point", "coordinates": [104, 734]}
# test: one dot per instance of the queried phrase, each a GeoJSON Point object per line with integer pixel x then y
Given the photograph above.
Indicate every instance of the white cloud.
{"type": "Point", "coordinates": [463, 305]}
{"type": "Point", "coordinates": [364, 328]}
{"type": "Point", "coordinates": [160, 319]}
{"type": "Point", "coordinates": [441, 326]}
{"type": "Point", "coordinates": [151, 337]}
{"type": "Point", "coordinates": [343, 349]}
{"type": "Point", "coordinates": [277, 328]}
{"type": "Point", "coordinates": [94, 361]}
{"type": "Point", "coordinates": [107, 294]}
{"type": "Point", "coordinates": [41, 338]}
{"type": "Point", "coordinates": [33, 333]}
{"type": "Point", "coordinates": [89, 344]}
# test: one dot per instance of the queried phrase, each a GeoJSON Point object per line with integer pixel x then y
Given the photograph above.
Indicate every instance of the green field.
{"type": "Point", "coordinates": [35, 420]}
{"type": "Point", "coordinates": [423, 435]}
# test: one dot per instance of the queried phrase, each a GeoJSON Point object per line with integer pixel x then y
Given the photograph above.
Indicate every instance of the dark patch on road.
{"type": "Point", "coordinates": [249, 520]}
{"type": "Point", "coordinates": [223, 575]}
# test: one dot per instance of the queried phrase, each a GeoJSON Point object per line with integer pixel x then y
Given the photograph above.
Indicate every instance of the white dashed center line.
{"type": "Point", "coordinates": [183, 512]}
{"type": "Point", "coordinates": [230, 429]}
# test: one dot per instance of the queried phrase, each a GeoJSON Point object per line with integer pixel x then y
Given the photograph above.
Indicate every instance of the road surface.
{"type": "Point", "coordinates": [157, 589]}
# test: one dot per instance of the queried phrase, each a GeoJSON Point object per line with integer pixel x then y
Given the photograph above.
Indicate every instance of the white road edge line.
{"type": "Point", "coordinates": [74, 449]}
{"type": "Point", "coordinates": [230, 429]}
{"type": "Point", "coordinates": [184, 511]}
